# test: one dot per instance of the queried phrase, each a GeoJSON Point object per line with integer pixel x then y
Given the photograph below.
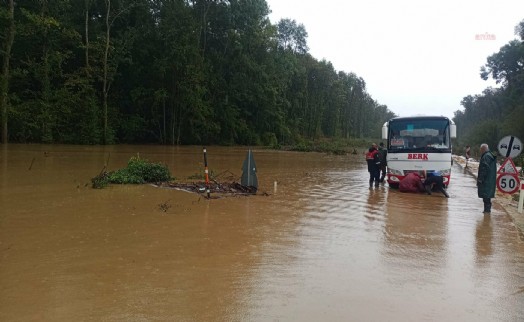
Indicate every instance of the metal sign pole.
{"type": "Point", "coordinates": [206, 173]}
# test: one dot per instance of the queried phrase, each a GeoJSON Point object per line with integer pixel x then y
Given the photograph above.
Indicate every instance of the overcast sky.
{"type": "Point", "coordinates": [417, 57]}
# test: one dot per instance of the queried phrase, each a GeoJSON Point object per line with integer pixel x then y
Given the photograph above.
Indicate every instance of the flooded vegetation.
{"type": "Point", "coordinates": [318, 245]}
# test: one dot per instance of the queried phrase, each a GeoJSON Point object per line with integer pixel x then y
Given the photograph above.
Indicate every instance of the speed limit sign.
{"type": "Point", "coordinates": [508, 183]}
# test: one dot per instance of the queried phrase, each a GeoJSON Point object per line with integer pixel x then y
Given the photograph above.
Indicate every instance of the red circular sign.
{"type": "Point", "coordinates": [508, 183]}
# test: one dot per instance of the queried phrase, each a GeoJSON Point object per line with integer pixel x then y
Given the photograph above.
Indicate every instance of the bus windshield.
{"type": "Point", "coordinates": [419, 134]}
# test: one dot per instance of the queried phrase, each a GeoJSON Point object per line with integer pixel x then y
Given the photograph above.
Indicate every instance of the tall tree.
{"type": "Point", "coordinates": [115, 50]}
{"type": "Point", "coordinates": [292, 36]}
{"type": "Point", "coordinates": [9, 36]}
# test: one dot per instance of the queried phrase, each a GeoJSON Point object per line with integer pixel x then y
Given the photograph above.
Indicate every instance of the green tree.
{"type": "Point", "coordinates": [292, 36]}
{"type": "Point", "coordinates": [8, 35]}
{"type": "Point", "coordinates": [497, 111]}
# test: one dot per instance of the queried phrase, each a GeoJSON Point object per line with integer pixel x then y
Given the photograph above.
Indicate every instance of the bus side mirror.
{"type": "Point", "coordinates": [385, 131]}
{"type": "Point", "coordinates": [453, 131]}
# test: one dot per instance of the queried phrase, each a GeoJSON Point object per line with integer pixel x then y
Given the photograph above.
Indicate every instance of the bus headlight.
{"type": "Point", "coordinates": [446, 172]}
{"type": "Point", "coordinates": [395, 172]}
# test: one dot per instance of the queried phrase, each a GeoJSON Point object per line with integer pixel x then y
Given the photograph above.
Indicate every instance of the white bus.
{"type": "Point", "coordinates": [418, 143]}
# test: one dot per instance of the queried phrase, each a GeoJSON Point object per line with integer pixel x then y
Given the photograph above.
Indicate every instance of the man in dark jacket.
{"type": "Point", "coordinates": [373, 160]}
{"type": "Point", "coordinates": [486, 178]}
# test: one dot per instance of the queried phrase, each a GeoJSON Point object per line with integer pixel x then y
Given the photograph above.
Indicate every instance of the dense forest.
{"type": "Point", "coordinates": [497, 112]}
{"type": "Point", "coordinates": [170, 72]}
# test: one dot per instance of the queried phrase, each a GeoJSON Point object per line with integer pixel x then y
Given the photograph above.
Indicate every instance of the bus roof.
{"type": "Point", "coordinates": [399, 118]}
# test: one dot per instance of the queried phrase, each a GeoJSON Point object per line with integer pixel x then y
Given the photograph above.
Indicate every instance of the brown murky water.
{"type": "Point", "coordinates": [323, 247]}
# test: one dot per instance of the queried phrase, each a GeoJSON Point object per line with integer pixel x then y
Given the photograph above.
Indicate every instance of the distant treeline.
{"type": "Point", "coordinates": [497, 112]}
{"type": "Point", "coordinates": [170, 72]}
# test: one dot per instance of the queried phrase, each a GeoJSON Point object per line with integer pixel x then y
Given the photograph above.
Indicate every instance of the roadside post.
{"type": "Point", "coordinates": [521, 197]}
{"type": "Point", "coordinates": [206, 172]}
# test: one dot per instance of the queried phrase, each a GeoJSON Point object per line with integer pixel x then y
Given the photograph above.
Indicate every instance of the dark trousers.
{"type": "Point", "coordinates": [487, 204]}
{"type": "Point", "coordinates": [438, 181]}
{"type": "Point", "coordinates": [383, 170]}
{"type": "Point", "coordinates": [374, 175]}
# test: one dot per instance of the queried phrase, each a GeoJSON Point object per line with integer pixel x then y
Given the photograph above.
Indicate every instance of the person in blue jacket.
{"type": "Point", "coordinates": [487, 176]}
{"type": "Point", "coordinates": [434, 181]}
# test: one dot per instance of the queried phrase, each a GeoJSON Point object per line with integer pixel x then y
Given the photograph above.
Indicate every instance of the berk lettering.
{"type": "Point", "coordinates": [417, 156]}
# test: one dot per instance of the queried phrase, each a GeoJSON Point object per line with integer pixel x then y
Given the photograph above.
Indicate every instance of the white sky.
{"type": "Point", "coordinates": [416, 56]}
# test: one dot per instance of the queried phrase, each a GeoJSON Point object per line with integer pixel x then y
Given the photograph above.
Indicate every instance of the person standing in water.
{"type": "Point", "coordinates": [373, 160]}
{"type": "Point", "coordinates": [487, 176]}
{"type": "Point", "coordinates": [468, 155]}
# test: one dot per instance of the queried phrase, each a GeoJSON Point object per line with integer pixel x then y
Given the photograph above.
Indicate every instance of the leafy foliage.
{"type": "Point", "coordinates": [138, 171]}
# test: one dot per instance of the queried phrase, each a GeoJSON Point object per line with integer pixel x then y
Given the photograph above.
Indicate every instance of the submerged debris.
{"type": "Point", "coordinates": [101, 180]}
{"type": "Point", "coordinates": [139, 171]}
{"type": "Point", "coordinates": [215, 187]}
{"type": "Point", "coordinates": [164, 206]}
{"type": "Point", "coordinates": [223, 184]}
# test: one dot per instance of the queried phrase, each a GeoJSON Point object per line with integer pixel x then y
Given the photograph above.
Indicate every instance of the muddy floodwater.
{"type": "Point", "coordinates": [321, 247]}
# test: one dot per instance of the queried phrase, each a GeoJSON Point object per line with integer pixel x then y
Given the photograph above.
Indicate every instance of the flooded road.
{"type": "Point", "coordinates": [322, 247]}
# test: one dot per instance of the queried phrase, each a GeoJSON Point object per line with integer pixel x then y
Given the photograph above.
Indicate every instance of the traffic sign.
{"type": "Point", "coordinates": [508, 167]}
{"type": "Point", "coordinates": [508, 183]}
{"type": "Point", "coordinates": [510, 146]}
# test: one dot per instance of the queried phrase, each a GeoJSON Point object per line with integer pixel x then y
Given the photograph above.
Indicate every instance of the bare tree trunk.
{"type": "Point", "coordinates": [173, 100]}
{"type": "Point", "coordinates": [87, 34]}
{"type": "Point", "coordinates": [361, 124]}
{"type": "Point", "coordinates": [173, 124]}
{"type": "Point", "coordinates": [105, 86]}
{"type": "Point", "coordinates": [4, 77]}
{"type": "Point", "coordinates": [179, 127]}
{"type": "Point", "coordinates": [349, 118]}
{"type": "Point", "coordinates": [203, 30]}
{"type": "Point", "coordinates": [46, 82]}
{"type": "Point", "coordinates": [164, 133]}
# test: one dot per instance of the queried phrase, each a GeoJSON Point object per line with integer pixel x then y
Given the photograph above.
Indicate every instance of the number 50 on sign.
{"type": "Point", "coordinates": [508, 183]}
